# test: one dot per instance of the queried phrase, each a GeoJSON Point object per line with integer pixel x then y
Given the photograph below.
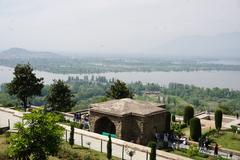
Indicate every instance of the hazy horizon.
{"type": "Point", "coordinates": [123, 28]}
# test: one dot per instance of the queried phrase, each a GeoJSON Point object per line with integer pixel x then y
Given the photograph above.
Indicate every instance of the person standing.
{"type": "Point", "coordinates": [216, 150]}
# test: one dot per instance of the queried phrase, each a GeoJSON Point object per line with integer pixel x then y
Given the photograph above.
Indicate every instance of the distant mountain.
{"type": "Point", "coordinates": [223, 45]}
{"type": "Point", "coordinates": [20, 53]}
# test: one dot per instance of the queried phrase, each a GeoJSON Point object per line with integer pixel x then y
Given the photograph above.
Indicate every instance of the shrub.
{"type": "Point", "coordinates": [192, 151]}
{"type": "Point", "coordinates": [67, 153]}
{"type": "Point", "coordinates": [195, 129]}
{"type": "Point", "coordinates": [188, 114]}
{"type": "Point", "coordinates": [234, 128]}
{"type": "Point", "coordinates": [182, 126]}
{"type": "Point", "coordinates": [109, 147]}
{"type": "Point", "coordinates": [218, 119]}
{"type": "Point", "coordinates": [71, 138]}
{"type": "Point", "coordinates": [153, 146]}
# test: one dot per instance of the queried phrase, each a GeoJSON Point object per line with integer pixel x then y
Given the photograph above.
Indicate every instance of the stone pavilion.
{"type": "Point", "coordinates": [131, 120]}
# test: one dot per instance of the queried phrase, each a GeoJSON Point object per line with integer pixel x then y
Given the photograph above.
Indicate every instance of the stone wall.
{"type": "Point", "coordinates": [153, 124]}
{"type": "Point", "coordinates": [94, 116]}
{"type": "Point", "coordinates": [132, 128]}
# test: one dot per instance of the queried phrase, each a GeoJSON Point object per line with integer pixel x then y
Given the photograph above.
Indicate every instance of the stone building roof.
{"type": "Point", "coordinates": [127, 106]}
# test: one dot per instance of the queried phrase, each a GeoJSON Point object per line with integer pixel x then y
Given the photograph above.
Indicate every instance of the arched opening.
{"type": "Point", "coordinates": [104, 124]}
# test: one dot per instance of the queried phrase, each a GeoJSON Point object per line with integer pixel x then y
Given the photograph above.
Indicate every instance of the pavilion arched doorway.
{"type": "Point", "coordinates": [104, 124]}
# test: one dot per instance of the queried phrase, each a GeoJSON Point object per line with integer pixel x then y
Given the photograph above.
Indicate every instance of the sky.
{"type": "Point", "coordinates": [111, 26]}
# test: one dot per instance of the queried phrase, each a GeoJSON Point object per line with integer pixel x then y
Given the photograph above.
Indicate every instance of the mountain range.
{"type": "Point", "coordinates": [20, 53]}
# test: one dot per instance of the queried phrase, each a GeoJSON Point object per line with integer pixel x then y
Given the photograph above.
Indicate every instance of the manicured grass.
{"type": "Point", "coordinates": [228, 140]}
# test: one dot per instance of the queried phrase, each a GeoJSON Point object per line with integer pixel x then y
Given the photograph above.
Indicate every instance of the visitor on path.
{"type": "Point", "coordinates": [216, 150]}
{"type": "Point", "coordinates": [237, 115]}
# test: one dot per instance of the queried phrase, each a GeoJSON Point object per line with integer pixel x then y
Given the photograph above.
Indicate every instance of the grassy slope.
{"type": "Point", "coordinates": [67, 153]}
{"type": "Point", "coordinates": [228, 140]}
{"type": "Point", "coordinates": [3, 147]}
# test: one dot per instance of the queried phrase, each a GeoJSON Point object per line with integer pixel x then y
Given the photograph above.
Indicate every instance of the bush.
{"type": "Point", "coordinates": [88, 156]}
{"type": "Point", "coordinates": [234, 128]}
{"type": "Point", "coordinates": [109, 147]}
{"type": "Point", "coordinates": [188, 114]}
{"type": "Point", "coordinates": [153, 146]}
{"type": "Point", "coordinates": [184, 125]}
{"type": "Point", "coordinates": [192, 151]}
{"type": "Point", "coordinates": [71, 138]}
{"type": "Point", "coordinates": [218, 119]}
{"type": "Point", "coordinates": [67, 153]}
{"type": "Point", "coordinates": [195, 129]}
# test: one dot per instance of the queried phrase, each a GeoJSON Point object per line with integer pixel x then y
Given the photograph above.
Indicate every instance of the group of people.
{"type": "Point", "coordinates": [204, 143]}
{"type": "Point", "coordinates": [82, 118]}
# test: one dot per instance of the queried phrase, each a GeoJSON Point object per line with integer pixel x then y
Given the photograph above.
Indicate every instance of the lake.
{"type": "Point", "coordinates": [221, 79]}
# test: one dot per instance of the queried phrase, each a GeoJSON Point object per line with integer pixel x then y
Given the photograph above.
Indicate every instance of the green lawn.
{"type": "Point", "coordinates": [65, 153]}
{"type": "Point", "coordinates": [228, 140]}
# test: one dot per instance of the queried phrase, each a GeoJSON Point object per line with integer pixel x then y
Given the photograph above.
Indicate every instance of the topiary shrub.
{"type": "Point", "coordinates": [109, 147]}
{"type": "Point", "coordinates": [218, 119]}
{"type": "Point", "coordinates": [71, 138]}
{"type": "Point", "coordinates": [195, 129]}
{"type": "Point", "coordinates": [153, 146]}
{"type": "Point", "coordinates": [188, 114]}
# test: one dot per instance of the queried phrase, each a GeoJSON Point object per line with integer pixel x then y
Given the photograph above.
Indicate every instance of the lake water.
{"type": "Point", "coordinates": [221, 79]}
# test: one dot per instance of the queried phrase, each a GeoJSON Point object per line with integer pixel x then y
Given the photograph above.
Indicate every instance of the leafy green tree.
{"type": "Point", "coordinates": [153, 146]}
{"type": "Point", "coordinates": [188, 114]}
{"type": "Point", "coordinates": [109, 147]}
{"type": "Point", "coordinates": [218, 119]}
{"type": "Point", "coordinates": [38, 136]}
{"type": "Point", "coordinates": [25, 84]}
{"type": "Point", "coordinates": [60, 97]}
{"type": "Point", "coordinates": [71, 138]}
{"type": "Point", "coordinates": [195, 129]}
{"type": "Point", "coordinates": [119, 90]}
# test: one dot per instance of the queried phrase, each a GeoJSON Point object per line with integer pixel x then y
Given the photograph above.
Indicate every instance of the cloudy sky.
{"type": "Point", "coordinates": [111, 26]}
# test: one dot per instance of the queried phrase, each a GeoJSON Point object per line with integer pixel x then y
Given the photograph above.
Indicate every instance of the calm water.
{"type": "Point", "coordinates": [222, 79]}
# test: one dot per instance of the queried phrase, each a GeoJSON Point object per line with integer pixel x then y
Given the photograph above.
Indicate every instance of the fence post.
{"type": "Point", "coordinates": [66, 135]}
{"type": "Point", "coordinates": [101, 145]}
{"type": "Point", "coordinates": [82, 140]}
{"type": "Point", "coordinates": [122, 152]}
{"type": "Point", "coordinates": [9, 123]}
